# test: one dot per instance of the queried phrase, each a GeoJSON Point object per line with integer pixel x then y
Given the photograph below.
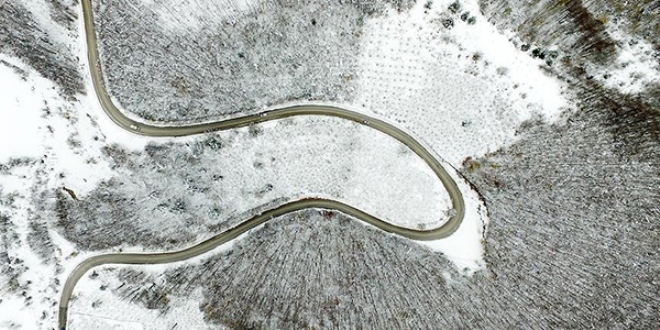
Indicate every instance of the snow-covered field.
{"type": "Point", "coordinates": [462, 92]}
{"type": "Point", "coordinates": [193, 15]}
{"type": "Point", "coordinates": [304, 157]}
{"type": "Point", "coordinates": [95, 308]}
{"type": "Point", "coordinates": [637, 66]}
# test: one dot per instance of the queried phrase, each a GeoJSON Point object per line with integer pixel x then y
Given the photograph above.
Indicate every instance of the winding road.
{"type": "Point", "coordinates": [141, 128]}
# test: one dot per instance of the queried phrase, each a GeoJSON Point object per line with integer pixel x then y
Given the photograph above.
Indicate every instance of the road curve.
{"type": "Point", "coordinates": [141, 128]}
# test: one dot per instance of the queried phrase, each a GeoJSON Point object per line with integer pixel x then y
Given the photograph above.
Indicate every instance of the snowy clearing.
{"type": "Point", "coordinates": [463, 90]}
{"type": "Point", "coordinates": [195, 15]}
{"type": "Point", "coordinates": [636, 68]}
{"type": "Point", "coordinates": [19, 113]}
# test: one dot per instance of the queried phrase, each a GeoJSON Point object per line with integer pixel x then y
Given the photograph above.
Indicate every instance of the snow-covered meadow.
{"type": "Point", "coordinates": [73, 145]}
{"type": "Point", "coordinates": [440, 71]}
{"type": "Point", "coordinates": [462, 88]}
{"type": "Point", "coordinates": [69, 143]}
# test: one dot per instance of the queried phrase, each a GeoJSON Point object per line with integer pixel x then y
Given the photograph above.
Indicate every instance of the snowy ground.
{"type": "Point", "coordinates": [96, 303]}
{"type": "Point", "coordinates": [82, 166]}
{"type": "Point", "coordinates": [354, 164]}
{"type": "Point", "coordinates": [284, 160]}
{"type": "Point", "coordinates": [636, 68]}
{"type": "Point", "coordinates": [195, 15]}
{"type": "Point", "coordinates": [463, 92]}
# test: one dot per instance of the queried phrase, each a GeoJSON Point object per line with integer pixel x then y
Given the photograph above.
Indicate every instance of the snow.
{"type": "Point", "coordinates": [36, 122]}
{"type": "Point", "coordinates": [332, 158]}
{"type": "Point", "coordinates": [300, 157]}
{"type": "Point", "coordinates": [423, 76]}
{"type": "Point", "coordinates": [44, 124]}
{"type": "Point", "coordinates": [635, 67]}
{"type": "Point", "coordinates": [15, 314]}
{"type": "Point", "coordinates": [91, 321]}
{"type": "Point", "coordinates": [415, 74]}
{"type": "Point", "coordinates": [379, 163]}
{"type": "Point", "coordinates": [542, 91]}
{"type": "Point", "coordinates": [122, 314]}
{"type": "Point", "coordinates": [465, 246]}
{"type": "Point", "coordinates": [37, 290]}
{"type": "Point", "coordinates": [19, 112]}
{"type": "Point", "coordinates": [378, 166]}
{"type": "Point", "coordinates": [41, 14]}
{"type": "Point", "coordinates": [194, 14]}
{"type": "Point", "coordinates": [125, 315]}
{"type": "Point", "coordinates": [91, 107]}
{"type": "Point", "coordinates": [15, 180]}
